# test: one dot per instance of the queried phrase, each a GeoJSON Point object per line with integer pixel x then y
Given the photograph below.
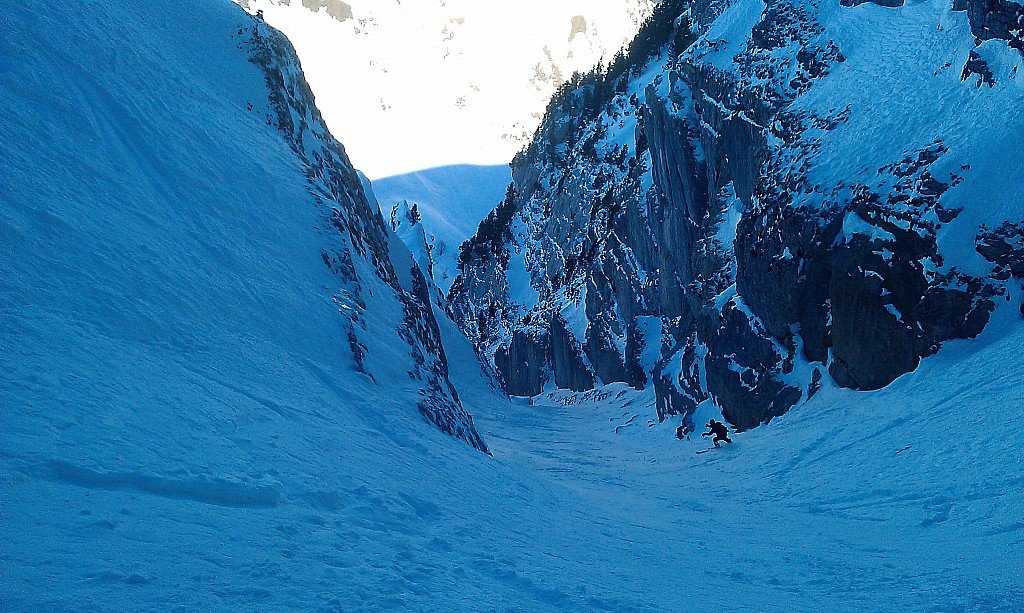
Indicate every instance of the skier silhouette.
{"type": "Point", "coordinates": [719, 430]}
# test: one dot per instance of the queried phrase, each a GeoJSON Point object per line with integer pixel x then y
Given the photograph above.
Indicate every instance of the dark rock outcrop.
{"type": "Point", "coordinates": [523, 366]}
{"type": "Point", "coordinates": [742, 365]}
{"type": "Point", "coordinates": [1004, 247]}
{"type": "Point", "coordinates": [976, 65]}
{"type": "Point", "coordinates": [570, 371]}
{"type": "Point", "coordinates": [1002, 19]}
{"type": "Point", "coordinates": [696, 196]}
{"type": "Point", "coordinates": [871, 341]}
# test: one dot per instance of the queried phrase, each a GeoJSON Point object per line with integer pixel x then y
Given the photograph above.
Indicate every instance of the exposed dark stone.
{"type": "Point", "coordinates": [635, 374]}
{"type": "Point", "coordinates": [814, 385]}
{"type": "Point", "coordinates": [569, 370]}
{"type": "Point", "coordinates": [952, 313]}
{"type": "Point", "coordinates": [679, 394]}
{"type": "Point", "coordinates": [814, 63]}
{"type": "Point", "coordinates": [1004, 247]}
{"type": "Point", "coordinates": [741, 366]}
{"type": "Point", "coordinates": [683, 200]}
{"type": "Point", "coordinates": [1003, 19]}
{"type": "Point", "coordinates": [604, 355]}
{"type": "Point", "coordinates": [976, 65]}
{"type": "Point", "coordinates": [837, 269]}
{"type": "Point", "coordinates": [783, 270]}
{"type": "Point", "coordinates": [871, 344]}
{"type": "Point", "coordinates": [523, 365]}
{"type": "Point", "coordinates": [947, 215]}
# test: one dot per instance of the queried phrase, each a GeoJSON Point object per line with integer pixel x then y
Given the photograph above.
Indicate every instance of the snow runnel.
{"type": "Point", "coordinates": [217, 492]}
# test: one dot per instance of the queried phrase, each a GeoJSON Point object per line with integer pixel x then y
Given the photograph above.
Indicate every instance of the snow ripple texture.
{"type": "Point", "coordinates": [183, 425]}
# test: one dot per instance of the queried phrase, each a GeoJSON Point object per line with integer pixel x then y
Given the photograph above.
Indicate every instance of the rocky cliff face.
{"type": "Point", "coordinates": [373, 268]}
{"type": "Point", "coordinates": [758, 196]}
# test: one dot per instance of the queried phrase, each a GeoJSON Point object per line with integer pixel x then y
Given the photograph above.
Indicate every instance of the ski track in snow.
{"type": "Point", "coordinates": [878, 501]}
{"type": "Point", "coordinates": [180, 428]}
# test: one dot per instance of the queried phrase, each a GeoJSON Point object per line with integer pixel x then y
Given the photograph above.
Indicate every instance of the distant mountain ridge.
{"type": "Point", "coordinates": [435, 210]}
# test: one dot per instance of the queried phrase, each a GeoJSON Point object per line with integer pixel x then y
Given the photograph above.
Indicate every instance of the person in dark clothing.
{"type": "Point", "coordinates": [681, 431]}
{"type": "Point", "coordinates": [719, 430]}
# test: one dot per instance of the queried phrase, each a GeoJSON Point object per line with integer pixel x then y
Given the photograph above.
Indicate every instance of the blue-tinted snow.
{"type": "Point", "coordinates": [452, 201]}
{"type": "Point", "coordinates": [181, 428]}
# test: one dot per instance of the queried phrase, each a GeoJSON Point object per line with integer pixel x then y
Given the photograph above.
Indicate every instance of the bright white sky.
{"type": "Point", "coordinates": [424, 83]}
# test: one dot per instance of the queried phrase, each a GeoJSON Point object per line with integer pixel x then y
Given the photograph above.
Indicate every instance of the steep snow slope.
{"type": "Point", "coordinates": [450, 201]}
{"type": "Point", "coordinates": [210, 164]}
{"type": "Point", "coordinates": [192, 276]}
{"type": "Point", "coordinates": [181, 427]}
{"type": "Point", "coordinates": [426, 83]}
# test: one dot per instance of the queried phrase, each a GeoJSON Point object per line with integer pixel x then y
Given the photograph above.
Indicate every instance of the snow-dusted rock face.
{"type": "Point", "coordinates": [361, 247]}
{"type": "Point", "coordinates": [760, 195]}
{"type": "Point", "coordinates": [1001, 19]}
